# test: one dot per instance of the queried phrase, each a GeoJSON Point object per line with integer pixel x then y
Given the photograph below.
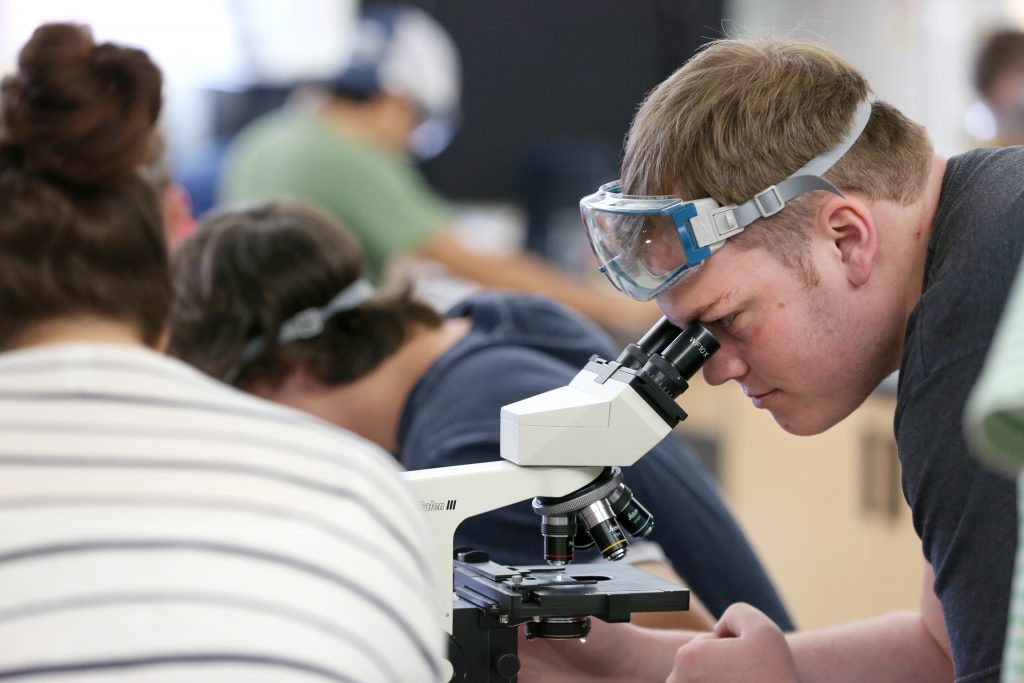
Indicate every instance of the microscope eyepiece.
{"type": "Point", "coordinates": [691, 349]}
{"type": "Point", "coordinates": [634, 355]}
{"type": "Point", "coordinates": [669, 370]}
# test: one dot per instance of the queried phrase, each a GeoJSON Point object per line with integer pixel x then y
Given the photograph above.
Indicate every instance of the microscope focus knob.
{"type": "Point", "coordinates": [507, 666]}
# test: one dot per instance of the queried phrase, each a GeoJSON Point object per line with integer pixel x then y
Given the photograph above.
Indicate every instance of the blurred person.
{"type": "Point", "coordinates": [846, 249]}
{"type": "Point", "coordinates": [155, 524]}
{"type": "Point", "coordinates": [428, 388]}
{"type": "Point", "coordinates": [999, 79]}
{"type": "Point", "coordinates": [175, 204]}
{"type": "Point", "coordinates": [346, 146]}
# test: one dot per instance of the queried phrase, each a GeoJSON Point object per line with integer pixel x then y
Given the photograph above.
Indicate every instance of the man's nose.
{"type": "Point", "coordinates": [724, 365]}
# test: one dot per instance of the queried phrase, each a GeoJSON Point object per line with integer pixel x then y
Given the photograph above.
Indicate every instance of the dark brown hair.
{"type": "Point", "coordinates": [80, 231]}
{"type": "Point", "coordinates": [247, 270]}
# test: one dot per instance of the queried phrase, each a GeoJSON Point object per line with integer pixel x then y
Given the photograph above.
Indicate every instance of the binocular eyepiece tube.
{"type": "Point", "coordinates": [686, 348]}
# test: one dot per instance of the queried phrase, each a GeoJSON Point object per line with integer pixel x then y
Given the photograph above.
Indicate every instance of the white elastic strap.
{"type": "Point", "coordinates": [820, 164]}
{"type": "Point", "coordinates": [807, 178]}
{"type": "Point", "coordinates": [307, 323]}
{"type": "Point", "coordinates": [310, 322]}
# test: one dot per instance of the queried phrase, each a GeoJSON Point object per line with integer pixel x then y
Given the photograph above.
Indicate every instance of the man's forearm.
{"type": "Point", "coordinates": [895, 648]}
{"type": "Point", "coordinates": [613, 653]}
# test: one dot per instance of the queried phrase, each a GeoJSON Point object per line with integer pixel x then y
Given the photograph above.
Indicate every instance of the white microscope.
{"type": "Point", "coordinates": [563, 448]}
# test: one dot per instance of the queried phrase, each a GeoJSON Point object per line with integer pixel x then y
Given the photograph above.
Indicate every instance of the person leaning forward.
{"type": "Point", "coordinates": [853, 250]}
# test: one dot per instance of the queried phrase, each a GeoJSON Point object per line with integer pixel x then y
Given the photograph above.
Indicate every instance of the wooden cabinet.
{"type": "Point", "coordinates": [826, 513]}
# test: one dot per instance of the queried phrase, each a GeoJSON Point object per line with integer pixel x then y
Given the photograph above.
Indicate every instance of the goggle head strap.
{"type": "Point", "coordinates": [307, 323]}
{"type": "Point", "coordinates": [771, 200]}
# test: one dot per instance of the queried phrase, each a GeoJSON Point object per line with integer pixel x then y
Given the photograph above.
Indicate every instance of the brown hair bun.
{"type": "Point", "coordinates": [77, 111]}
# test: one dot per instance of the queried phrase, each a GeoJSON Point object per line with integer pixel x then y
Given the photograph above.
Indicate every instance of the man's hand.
{"type": "Point", "coordinates": [745, 647]}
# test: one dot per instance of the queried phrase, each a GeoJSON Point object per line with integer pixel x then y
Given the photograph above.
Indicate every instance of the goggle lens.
{"type": "Point", "coordinates": [639, 253]}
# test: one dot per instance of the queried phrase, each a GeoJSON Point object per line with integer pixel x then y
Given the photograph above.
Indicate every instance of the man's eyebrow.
{"type": "Point", "coordinates": [701, 311]}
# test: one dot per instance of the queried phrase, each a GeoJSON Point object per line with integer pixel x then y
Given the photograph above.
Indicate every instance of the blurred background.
{"type": "Point", "coordinates": [547, 92]}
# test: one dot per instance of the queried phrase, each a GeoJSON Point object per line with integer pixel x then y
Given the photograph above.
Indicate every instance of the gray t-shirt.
{"type": "Point", "coordinates": [965, 514]}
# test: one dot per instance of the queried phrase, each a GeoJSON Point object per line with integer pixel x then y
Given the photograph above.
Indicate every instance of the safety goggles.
{"type": "Point", "coordinates": [644, 244]}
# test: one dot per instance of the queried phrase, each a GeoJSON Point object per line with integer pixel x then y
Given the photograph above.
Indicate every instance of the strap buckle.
{"type": "Point", "coordinates": [772, 194]}
{"type": "Point", "coordinates": [724, 222]}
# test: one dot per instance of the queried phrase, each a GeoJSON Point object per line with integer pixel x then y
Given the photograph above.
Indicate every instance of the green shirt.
{"type": "Point", "coordinates": [376, 193]}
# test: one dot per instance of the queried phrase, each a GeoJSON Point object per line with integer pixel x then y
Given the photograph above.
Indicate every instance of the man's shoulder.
{"type": "Point", "coordinates": [973, 252]}
{"type": "Point", "coordinates": [300, 133]}
{"type": "Point", "coordinates": [537, 324]}
{"type": "Point", "coordinates": [986, 159]}
{"type": "Point", "coordinates": [980, 185]}
{"type": "Point", "coordinates": [292, 139]}
{"type": "Point", "coordinates": [457, 405]}
{"type": "Point", "coordinates": [271, 131]}
{"type": "Point", "coordinates": [488, 373]}
{"type": "Point", "coordinates": [978, 230]}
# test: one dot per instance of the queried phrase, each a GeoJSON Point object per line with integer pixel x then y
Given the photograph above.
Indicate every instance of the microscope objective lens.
{"type": "Point", "coordinates": [558, 533]}
{"type": "Point", "coordinates": [610, 540]}
{"type": "Point", "coordinates": [583, 538]}
{"type": "Point", "coordinates": [630, 513]}
{"type": "Point", "coordinates": [600, 519]}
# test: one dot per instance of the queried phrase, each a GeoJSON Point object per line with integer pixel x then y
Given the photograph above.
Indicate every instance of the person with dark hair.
{"type": "Point", "coordinates": [999, 79]}
{"type": "Point", "coordinates": [155, 524]}
{"type": "Point", "coordinates": [347, 150]}
{"type": "Point", "coordinates": [271, 298]}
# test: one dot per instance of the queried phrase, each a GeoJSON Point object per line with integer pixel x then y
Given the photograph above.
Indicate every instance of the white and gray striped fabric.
{"type": "Point", "coordinates": [156, 526]}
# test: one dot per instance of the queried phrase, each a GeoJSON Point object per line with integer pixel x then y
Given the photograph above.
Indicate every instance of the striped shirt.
{"type": "Point", "coordinates": [156, 526]}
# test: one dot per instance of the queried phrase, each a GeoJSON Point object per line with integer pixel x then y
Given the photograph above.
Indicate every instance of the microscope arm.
{"type": "Point", "coordinates": [449, 495]}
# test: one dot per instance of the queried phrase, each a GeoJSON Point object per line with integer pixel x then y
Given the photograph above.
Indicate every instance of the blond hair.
{"type": "Point", "coordinates": [743, 115]}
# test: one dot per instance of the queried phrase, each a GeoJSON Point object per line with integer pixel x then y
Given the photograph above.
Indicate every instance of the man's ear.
{"type": "Point", "coordinates": [848, 225]}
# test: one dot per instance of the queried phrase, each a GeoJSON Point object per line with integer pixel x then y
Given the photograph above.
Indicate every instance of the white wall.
{"type": "Point", "coordinates": [201, 43]}
{"type": "Point", "coordinates": [917, 54]}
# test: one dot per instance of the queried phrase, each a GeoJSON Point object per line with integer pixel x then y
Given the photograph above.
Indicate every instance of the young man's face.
{"type": "Point", "coordinates": [810, 354]}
